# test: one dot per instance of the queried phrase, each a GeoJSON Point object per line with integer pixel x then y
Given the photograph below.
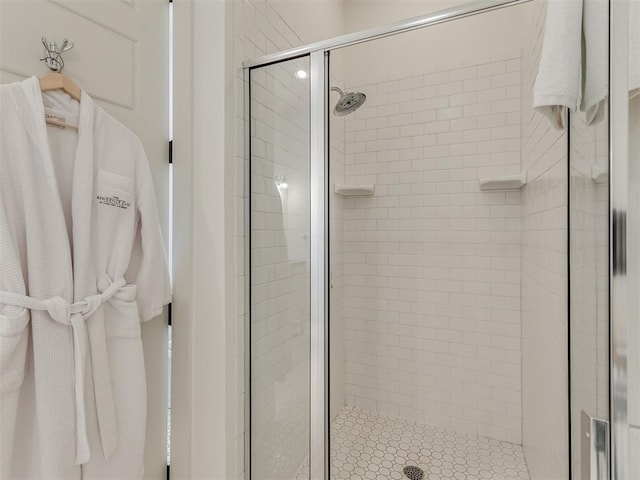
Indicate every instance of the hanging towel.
{"type": "Point", "coordinates": [595, 57]}
{"type": "Point", "coordinates": [557, 86]}
{"type": "Point", "coordinates": [595, 63]}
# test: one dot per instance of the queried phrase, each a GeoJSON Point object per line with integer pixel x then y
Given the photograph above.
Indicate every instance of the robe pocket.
{"type": "Point", "coordinates": [121, 314]}
{"type": "Point", "coordinates": [13, 350]}
{"type": "Point", "coordinates": [113, 193]}
{"type": "Point", "coordinates": [114, 181]}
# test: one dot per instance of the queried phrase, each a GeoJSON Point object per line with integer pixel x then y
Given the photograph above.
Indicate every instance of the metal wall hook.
{"type": "Point", "coordinates": [53, 53]}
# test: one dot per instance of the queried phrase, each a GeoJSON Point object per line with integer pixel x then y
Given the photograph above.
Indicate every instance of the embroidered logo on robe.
{"type": "Point", "coordinates": [113, 201]}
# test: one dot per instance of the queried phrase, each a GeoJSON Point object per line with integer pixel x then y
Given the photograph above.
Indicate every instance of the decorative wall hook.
{"type": "Point", "coordinates": [53, 54]}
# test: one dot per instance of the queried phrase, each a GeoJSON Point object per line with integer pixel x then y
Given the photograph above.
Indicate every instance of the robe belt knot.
{"type": "Point", "coordinates": [75, 315]}
{"type": "Point", "coordinates": [61, 310]}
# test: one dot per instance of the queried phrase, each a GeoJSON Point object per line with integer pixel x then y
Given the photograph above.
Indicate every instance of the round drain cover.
{"type": "Point", "coordinates": [413, 473]}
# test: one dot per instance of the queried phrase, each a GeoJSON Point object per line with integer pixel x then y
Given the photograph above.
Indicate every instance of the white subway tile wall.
{"type": "Point", "coordinates": [544, 278]}
{"type": "Point", "coordinates": [432, 265]}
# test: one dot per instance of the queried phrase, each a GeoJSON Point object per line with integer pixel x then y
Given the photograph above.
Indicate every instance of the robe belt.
{"type": "Point", "coordinates": [75, 316]}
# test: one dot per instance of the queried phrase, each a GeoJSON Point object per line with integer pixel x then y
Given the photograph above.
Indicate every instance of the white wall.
{"type": "Point", "coordinates": [203, 430]}
{"type": "Point", "coordinates": [544, 279]}
{"type": "Point", "coordinates": [312, 20]}
{"type": "Point", "coordinates": [461, 41]}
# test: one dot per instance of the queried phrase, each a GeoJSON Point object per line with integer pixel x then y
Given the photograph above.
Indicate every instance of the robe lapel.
{"type": "Point", "coordinates": [87, 281]}
{"type": "Point", "coordinates": [84, 275]}
{"type": "Point", "coordinates": [31, 110]}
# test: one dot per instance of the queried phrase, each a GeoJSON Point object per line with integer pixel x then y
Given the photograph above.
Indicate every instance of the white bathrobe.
{"type": "Point", "coordinates": [81, 265]}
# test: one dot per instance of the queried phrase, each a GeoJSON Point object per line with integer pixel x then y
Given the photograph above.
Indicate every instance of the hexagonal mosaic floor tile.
{"type": "Point", "coordinates": [368, 446]}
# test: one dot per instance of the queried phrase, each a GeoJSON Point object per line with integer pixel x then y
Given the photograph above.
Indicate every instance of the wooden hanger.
{"type": "Point", "coordinates": [57, 81]}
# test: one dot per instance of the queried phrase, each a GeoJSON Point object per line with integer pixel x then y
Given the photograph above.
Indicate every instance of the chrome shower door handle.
{"type": "Point", "coordinates": [595, 455]}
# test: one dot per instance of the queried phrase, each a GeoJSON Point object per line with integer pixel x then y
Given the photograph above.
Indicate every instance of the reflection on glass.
{"type": "Point", "coordinates": [280, 288]}
{"type": "Point", "coordinates": [589, 230]}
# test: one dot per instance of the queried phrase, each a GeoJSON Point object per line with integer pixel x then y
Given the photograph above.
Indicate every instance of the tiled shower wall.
{"type": "Point", "coordinates": [544, 278]}
{"type": "Point", "coordinates": [432, 295]}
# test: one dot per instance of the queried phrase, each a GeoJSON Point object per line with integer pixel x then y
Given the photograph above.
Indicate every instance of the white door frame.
{"type": "Point", "coordinates": [205, 441]}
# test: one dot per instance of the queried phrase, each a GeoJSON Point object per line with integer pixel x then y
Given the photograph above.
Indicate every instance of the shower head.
{"type": "Point", "coordinates": [348, 102]}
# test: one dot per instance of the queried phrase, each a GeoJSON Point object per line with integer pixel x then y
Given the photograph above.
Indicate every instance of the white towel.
{"type": "Point", "coordinates": [596, 71]}
{"type": "Point", "coordinates": [557, 86]}
{"type": "Point", "coordinates": [595, 58]}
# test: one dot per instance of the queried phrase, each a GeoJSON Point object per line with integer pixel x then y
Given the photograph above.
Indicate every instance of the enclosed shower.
{"type": "Point", "coordinates": [429, 260]}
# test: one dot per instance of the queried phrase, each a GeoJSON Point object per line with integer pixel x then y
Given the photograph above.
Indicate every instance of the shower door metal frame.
{"type": "Point", "coordinates": [319, 264]}
{"type": "Point", "coordinates": [618, 234]}
{"type": "Point", "coordinates": [319, 183]}
{"type": "Point", "coordinates": [414, 23]}
{"type": "Point", "coordinates": [319, 399]}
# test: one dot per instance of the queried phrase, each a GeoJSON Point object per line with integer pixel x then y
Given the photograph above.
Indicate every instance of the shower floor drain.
{"type": "Point", "coordinates": [413, 473]}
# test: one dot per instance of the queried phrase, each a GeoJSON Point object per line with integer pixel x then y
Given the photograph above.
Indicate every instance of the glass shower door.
{"type": "Point", "coordinates": [625, 226]}
{"type": "Point", "coordinates": [604, 260]}
{"type": "Point", "coordinates": [280, 270]}
{"type": "Point", "coordinates": [633, 269]}
{"type": "Point", "coordinates": [589, 292]}
{"type": "Point", "coordinates": [589, 267]}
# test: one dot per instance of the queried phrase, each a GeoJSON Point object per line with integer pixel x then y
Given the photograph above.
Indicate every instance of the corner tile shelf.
{"type": "Point", "coordinates": [354, 190]}
{"type": "Point", "coordinates": [599, 174]}
{"type": "Point", "coordinates": [508, 182]}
